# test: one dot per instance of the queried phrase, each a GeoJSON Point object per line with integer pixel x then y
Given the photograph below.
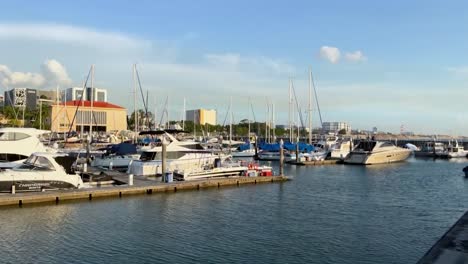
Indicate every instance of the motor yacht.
{"type": "Point", "coordinates": [180, 156]}
{"type": "Point", "coordinates": [117, 156]}
{"type": "Point", "coordinates": [41, 171]}
{"type": "Point", "coordinates": [430, 149]}
{"type": "Point", "coordinates": [17, 144]}
{"type": "Point", "coordinates": [376, 152]}
{"type": "Point", "coordinates": [454, 151]}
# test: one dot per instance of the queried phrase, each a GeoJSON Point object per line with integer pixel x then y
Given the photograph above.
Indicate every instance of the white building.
{"type": "Point", "coordinates": [74, 93]}
{"type": "Point", "coordinates": [335, 127]}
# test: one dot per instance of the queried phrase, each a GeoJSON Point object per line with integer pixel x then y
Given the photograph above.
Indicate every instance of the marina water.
{"type": "Point", "coordinates": [327, 214]}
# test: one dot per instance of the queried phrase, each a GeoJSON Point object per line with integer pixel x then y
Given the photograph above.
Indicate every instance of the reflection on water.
{"type": "Point", "coordinates": [388, 213]}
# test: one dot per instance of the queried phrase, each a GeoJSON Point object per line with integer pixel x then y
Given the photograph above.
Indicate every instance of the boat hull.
{"type": "Point", "coordinates": [368, 158]}
{"type": "Point", "coordinates": [34, 186]}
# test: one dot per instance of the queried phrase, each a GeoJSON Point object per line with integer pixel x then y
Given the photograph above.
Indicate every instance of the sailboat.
{"type": "Point", "coordinates": [246, 150]}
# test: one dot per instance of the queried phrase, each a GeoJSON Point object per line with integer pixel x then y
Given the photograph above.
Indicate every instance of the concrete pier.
{"type": "Point", "coordinates": [143, 187]}
{"type": "Point", "coordinates": [452, 247]}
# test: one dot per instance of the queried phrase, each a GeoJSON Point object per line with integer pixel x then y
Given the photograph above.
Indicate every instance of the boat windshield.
{"type": "Point", "coordinates": [12, 136]}
{"type": "Point", "coordinates": [36, 163]}
{"type": "Point", "coordinates": [366, 145]}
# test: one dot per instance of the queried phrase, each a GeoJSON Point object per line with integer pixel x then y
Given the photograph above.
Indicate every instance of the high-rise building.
{"type": "Point", "coordinates": [21, 97]}
{"type": "Point", "coordinates": [74, 93]}
{"type": "Point", "coordinates": [335, 127]}
{"type": "Point", "coordinates": [201, 116]}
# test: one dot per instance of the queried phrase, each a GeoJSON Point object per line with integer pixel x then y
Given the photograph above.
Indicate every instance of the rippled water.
{"type": "Point", "coordinates": [328, 214]}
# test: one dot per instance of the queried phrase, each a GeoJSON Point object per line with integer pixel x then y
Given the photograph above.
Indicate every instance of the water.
{"type": "Point", "coordinates": [329, 214]}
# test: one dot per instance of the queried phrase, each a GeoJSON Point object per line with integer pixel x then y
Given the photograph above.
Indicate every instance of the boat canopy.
{"type": "Point", "coordinates": [161, 132]}
{"type": "Point", "coordinates": [303, 147]}
{"type": "Point", "coordinates": [121, 149]}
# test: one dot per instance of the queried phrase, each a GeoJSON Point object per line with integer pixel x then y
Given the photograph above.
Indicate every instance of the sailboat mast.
{"type": "Point", "coordinates": [310, 106]}
{"type": "Point", "coordinates": [273, 121]}
{"type": "Point", "coordinates": [230, 124]}
{"type": "Point", "coordinates": [167, 113]}
{"type": "Point", "coordinates": [57, 98]}
{"type": "Point", "coordinates": [92, 102]}
{"type": "Point", "coordinates": [248, 119]}
{"type": "Point", "coordinates": [183, 117]}
{"type": "Point", "coordinates": [267, 137]}
{"type": "Point", "coordinates": [83, 98]}
{"type": "Point", "coordinates": [135, 115]}
{"type": "Point", "coordinates": [290, 104]}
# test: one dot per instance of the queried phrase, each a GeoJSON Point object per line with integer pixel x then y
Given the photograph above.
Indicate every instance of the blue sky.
{"type": "Point", "coordinates": [375, 63]}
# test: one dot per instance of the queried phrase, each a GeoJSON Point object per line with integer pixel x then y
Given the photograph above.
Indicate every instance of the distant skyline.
{"type": "Point", "coordinates": [375, 64]}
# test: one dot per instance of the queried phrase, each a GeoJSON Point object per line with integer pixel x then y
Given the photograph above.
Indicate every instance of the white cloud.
{"type": "Point", "coordinates": [227, 59]}
{"type": "Point", "coordinates": [105, 41]}
{"type": "Point", "coordinates": [232, 61]}
{"type": "Point", "coordinates": [332, 54]}
{"type": "Point", "coordinates": [355, 56]}
{"type": "Point", "coordinates": [53, 73]}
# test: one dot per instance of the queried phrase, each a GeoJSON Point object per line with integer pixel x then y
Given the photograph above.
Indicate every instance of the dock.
{"type": "Point", "coordinates": [452, 247]}
{"type": "Point", "coordinates": [315, 162]}
{"type": "Point", "coordinates": [141, 187]}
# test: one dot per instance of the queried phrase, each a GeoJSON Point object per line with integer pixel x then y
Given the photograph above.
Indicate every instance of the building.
{"type": "Point", "coordinates": [48, 95]}
{"type": "Point", "coordinates": [2, 101]}
{"type": "Point", "coordinates": [74, 93]}
{"type": "Point", "coordinates": [201, 116]}
{"type": "Point", "coordinates": [335, 127]}
{"type": "Point", "coordinates": [21, 97]}
{"type": "Point", "coordinates": [102, 116]}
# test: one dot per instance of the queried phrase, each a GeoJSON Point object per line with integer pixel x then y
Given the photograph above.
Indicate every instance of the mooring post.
{"type": "Point", "coordinates": [88, 155]}
{"type": "Point", "coordinates": [163, 159]}
{"type": "Point", "coordinates": [256, 147]}
{"type": "Point", "coordinates": [130, 180]}
{"type": "Point", "coordinates": [297, 152]}
{"type": "Point", "coordinates": [281, 157]}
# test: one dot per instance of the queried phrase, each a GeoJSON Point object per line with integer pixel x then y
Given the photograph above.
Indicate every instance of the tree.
{"type": "Point", "coordinates": [342, 132]}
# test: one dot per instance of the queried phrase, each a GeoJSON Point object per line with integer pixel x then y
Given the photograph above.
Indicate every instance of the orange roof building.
{"type": "Point", "coordinates": [100, 116]}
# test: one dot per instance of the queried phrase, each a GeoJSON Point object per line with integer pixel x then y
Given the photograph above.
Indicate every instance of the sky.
{"type": "Point", "coordinates": [385, 64]}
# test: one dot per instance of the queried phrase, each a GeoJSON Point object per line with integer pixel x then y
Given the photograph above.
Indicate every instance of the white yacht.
{"type": "Point", "coordinates": [430, 149]}
{"type": "Point", "coordinates": [341, 149]}
{"type": "Point", "coordinates": [376, 152]}
{"type": "Point", "coordinates": [180, 156]}
{"type": "Point", "coordinates": [117, 156]}
{"type": "Point", "coordinates": [41, 171]}
{"type": "Point", "coordinates": [454, 151]}
{"type": "Point", "coordinates": [17, 144]}
{"type": "Point", "coordinates": [225, 169]}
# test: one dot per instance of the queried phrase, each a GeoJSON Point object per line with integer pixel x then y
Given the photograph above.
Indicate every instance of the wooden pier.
{"type": "Point", "coordinates": [141, 187]}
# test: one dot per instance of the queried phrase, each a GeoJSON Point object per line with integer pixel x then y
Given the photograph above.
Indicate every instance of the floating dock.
{"type": "Point", "coordinates": [315, 162]}
{"type": "Point", "coordinates": [140, 187]}
{"type": "Point", "coordinates": [452, 247]}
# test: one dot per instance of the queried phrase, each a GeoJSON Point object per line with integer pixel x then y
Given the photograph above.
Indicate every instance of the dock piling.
{"type": "Point", "coordinates": [281, 157]}
{"type": "Point", "coordinates": [297, 151]}
{"type": "Point", "coordinates": [130, 180]}
{"type": "Point", "coordinates": [163, 159]}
